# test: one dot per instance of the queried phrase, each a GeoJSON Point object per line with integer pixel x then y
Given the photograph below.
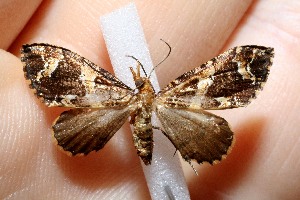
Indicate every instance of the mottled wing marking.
{"type": "Point", "coordinates": [229, 80]}
{"type": "Point", "coordinates": [199, 136]}
{"type": "Point", "coordinates": [64, 78]}
{"type": "Point", "coordinates": [80, 131]}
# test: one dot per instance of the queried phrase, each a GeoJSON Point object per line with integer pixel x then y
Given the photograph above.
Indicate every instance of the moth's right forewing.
{"type": "Point", "coordinates": [229, 80]}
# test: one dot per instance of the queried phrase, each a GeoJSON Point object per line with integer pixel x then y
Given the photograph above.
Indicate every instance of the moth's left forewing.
{"type": "Point", "coordinates": [229, 80]}
{"type": "Point", "coordinates": [61, 77]}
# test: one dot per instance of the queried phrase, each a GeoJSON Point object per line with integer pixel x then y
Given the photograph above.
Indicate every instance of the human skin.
{"type": "Point", "coordinates": [263, 164]}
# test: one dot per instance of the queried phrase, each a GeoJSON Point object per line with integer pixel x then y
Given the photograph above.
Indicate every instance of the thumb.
{"type": "Point", "coordinates": [20, 136]}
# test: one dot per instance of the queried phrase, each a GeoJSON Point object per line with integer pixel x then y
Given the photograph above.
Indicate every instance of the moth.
{"type": "Point", "coordinates": [100, 103]}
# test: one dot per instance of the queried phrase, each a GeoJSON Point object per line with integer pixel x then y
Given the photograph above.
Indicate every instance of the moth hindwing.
{"type": "Point", "coordinates": [102, 103]}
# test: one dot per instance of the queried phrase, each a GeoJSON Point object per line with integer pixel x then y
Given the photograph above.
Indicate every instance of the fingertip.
{"type": "Point", "coordinates": [14, 16]}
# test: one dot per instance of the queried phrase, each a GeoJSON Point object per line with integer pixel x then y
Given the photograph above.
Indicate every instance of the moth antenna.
{"type": "Point", "coordinates": [170, 49]}
{"type": "Point", "coordinates": [137, 60]}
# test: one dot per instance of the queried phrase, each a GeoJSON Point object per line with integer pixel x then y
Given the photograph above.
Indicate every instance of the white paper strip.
{"type": "Point", "coordinates": [124, 35]}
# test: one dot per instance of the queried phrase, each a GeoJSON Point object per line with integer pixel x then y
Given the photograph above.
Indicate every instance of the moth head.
{"type": "Point", "coordinates": [138, 80]}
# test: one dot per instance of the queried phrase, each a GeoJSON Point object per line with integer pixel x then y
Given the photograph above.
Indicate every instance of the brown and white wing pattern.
{"type": "Point", "coordinates": [229, 80]}
{"type": "Point", "coordinates": [64, 78]}
{"type": "Point", "coordinates": [82, 130]}
{"type": "Point", "coordinates": [199, 136]}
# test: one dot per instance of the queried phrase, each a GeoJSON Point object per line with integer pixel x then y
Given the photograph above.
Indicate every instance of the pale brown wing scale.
{"type": "Point", "coordinates": [80, 131]}
{"type": "Point", "coordinates": [199, 136]}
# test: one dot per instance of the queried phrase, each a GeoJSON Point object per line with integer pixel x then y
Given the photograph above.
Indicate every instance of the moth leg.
{"type": "Point", "coordinates": [132, 117]}
{"type": "Point", "coordinates": [175, 152]}
{"type": "Point", "coordinates": [188, 160]}
{"type": "Point", "coordinates": [159, 128]}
